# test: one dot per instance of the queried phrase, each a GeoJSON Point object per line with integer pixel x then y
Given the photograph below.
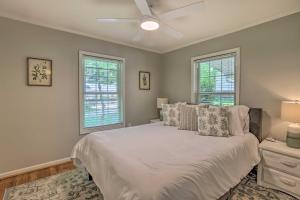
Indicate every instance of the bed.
{"type": "Point", "coordinates": [156, 162]}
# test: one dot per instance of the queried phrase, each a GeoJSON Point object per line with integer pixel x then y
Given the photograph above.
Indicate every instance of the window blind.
{"type": "Point", "coordinates": [216, 80]}
{"type": "Point", "coordinates": [102, 95]}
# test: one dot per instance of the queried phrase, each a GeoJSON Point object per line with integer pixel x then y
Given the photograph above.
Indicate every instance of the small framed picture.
{"type": "Point", "coordinates": [39, 72]}
{"type": "Point", "coordinates": [144, 80]}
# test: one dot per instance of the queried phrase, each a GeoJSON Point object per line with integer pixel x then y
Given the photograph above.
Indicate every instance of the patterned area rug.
{"type": "Point", "coordinates": [74, 185]}
{"type": "Point", "coordinates": [248, 189]}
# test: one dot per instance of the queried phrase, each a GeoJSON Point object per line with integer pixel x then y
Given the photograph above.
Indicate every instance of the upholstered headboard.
{"type": "Point", "coordinates": [255, 115]}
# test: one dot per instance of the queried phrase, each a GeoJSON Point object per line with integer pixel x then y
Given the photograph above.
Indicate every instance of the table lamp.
{"type": "Point", "coordinates": [290, 111]}
{"type": "Point", "coordinates": [160, 102]}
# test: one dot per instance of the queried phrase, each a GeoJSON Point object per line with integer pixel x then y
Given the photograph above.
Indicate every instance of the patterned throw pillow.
{"type": "Point", "coordinates": [213, 121]}
{"type": "Point", "coordinates": [188, 119]}
{"type": "Point", "coordinates": [171, 113]}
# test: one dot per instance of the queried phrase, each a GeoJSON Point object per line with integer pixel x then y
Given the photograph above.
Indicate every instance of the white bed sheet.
{"type": "Point", "coordinates": [156, 162]}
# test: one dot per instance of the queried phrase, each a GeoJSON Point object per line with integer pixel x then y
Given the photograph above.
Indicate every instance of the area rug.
{"type": "Point", "coordinates": [74, 185]}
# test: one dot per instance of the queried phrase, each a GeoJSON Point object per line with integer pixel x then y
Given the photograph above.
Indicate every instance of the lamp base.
{"type": "Point", "coordinates": [161, 115]}
{"type": "Point", "coordinates": [159, 112]}
{"type": "Point", "coordinates": [293, 136]}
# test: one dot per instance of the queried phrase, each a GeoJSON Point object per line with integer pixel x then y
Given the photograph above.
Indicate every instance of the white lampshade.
{"type": "Point", "coordinates": [290, 111]}
{"type": "Point", "coordinates": [161, 101]}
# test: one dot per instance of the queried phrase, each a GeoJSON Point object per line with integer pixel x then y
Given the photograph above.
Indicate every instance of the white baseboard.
{"type": "Point", "coordinates": [33, 168]}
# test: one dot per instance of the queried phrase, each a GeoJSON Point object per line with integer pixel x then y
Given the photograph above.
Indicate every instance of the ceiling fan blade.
{"type": "Point", "coordinates": [183, 11]}
{"type": "Point", "coordinates": [144, 7]}
{"type": "Point", "coordinates": [117, 20]}
{"type": "Point", "coordinates": [172, 32]}
{"type": "Point", "coordinates": [138, 36]}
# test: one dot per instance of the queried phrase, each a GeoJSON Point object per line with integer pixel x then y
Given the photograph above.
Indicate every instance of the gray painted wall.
{"type": "Point", "coordinates": [270, 68]}
{"type": "Point", "coordinates": [41, 124]}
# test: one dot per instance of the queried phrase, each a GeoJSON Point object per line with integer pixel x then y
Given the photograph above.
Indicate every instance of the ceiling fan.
{"type": "Point", "coordinates": [151, 21]}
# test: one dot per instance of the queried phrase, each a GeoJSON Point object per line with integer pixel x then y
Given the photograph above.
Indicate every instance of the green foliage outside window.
{"type": "Point", "coordinates": [208, 75]}
{"type": "Point", "coordinates": [101, 92]}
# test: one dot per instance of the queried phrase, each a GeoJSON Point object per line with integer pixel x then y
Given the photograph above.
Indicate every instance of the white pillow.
{"type": "Point", "coordinates": [238, 120]}
{"type": "Point", "coordinates": [244, 116]}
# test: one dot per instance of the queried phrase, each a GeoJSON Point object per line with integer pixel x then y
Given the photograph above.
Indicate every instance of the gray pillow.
{"type": "Point", "coordinates": [213, 121]}
{"type": "Point", "coordinates": [188, 119]}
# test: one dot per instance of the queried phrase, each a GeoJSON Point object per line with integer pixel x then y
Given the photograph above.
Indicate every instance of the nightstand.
{"type": "Point", "coordinates": [154, 120]}
{"type": "Point", "coordinates": [279, 168]}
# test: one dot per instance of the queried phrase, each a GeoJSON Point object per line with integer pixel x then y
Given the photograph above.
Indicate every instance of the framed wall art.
{"type": "Point", "coordinates": [39, 72]}
{"type": "Point", "coordinates": [144, 80]}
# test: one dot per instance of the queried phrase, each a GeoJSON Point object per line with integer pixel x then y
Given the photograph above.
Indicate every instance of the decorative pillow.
{"type": "Point", "coordinates": [188, 119]}
{"type": "Point", "coordinates": [171, 113]}
{"type": "Point", "coordinates": [213, 121]}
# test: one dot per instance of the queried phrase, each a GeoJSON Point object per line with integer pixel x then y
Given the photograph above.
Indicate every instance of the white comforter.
{"type": "Point", "coordinates": [156, 162]}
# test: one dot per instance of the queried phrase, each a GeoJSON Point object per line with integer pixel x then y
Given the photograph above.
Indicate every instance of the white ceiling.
{"type": "Point", "coordinates": [218, 17]}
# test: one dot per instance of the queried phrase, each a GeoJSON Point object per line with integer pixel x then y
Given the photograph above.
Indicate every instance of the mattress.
{"type": "Point", "coordinates": [156, 162]}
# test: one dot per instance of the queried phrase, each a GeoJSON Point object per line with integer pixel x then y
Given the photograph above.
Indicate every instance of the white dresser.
{"type": "Point", "coordinates": [279, 168]}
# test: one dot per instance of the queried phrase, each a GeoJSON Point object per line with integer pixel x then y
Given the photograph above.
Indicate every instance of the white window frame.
{"type": "Point", "coordinates": [194, 75]}
{"type": "Point", "coordinates": [84, 130]}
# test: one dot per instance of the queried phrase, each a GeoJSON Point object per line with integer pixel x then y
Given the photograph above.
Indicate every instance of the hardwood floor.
{"type": "Point", "coordinates": [32, 176]}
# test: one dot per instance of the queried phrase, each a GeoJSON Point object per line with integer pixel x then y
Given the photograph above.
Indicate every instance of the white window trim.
{"type": "Point", "coordinates": [84, 130]}
{"type": "Point", "coordinates": [194, 78]}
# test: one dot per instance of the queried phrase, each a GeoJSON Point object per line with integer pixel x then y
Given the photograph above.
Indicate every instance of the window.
{"type": "Point", "coordinates": [101, 92]}
{"type": "Point", "coordinates": [215, 78]}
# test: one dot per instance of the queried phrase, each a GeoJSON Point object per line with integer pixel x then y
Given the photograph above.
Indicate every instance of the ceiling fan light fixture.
{"type": "Point", "coordinates": [149, 24]}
